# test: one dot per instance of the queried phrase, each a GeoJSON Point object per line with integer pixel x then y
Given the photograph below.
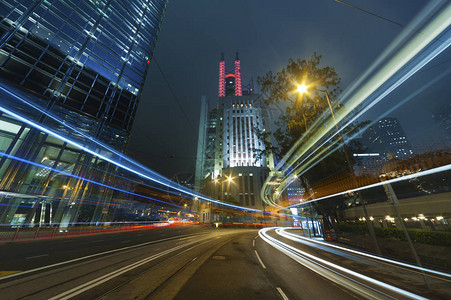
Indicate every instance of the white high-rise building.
{"type": "Point", "coordinates": [242, 122]}
{"type": "Point", "coordinates": [240, 164]}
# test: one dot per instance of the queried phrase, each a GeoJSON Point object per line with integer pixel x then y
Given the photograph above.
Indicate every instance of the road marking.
{"type": "Point", "coordinates": [259, 259]}
{"type": "Point", "coordinates": [253, 243]}
{"type": "Point", "coordinates": [218, 257]}
{"type": "Point", "coordinates": [42, 255]}
{"type": "Point", "coordinates": [5, 273]}
{"type": "Point", "coordinates": [93, 255]}
{"type": "Point", "coordinates": [284, 297]}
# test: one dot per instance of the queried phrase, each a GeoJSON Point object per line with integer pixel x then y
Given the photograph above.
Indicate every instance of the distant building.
{"type": "Point", "coordinates": [387, 136]}
{"type": "Point", "coordinates": [443, 118]}
{"type": "Point", "coordinates": [205, 158]}
{"type": "Point", "coordinates": [295, 192]}
{"type": "Point", "coordinates": [240, 166]}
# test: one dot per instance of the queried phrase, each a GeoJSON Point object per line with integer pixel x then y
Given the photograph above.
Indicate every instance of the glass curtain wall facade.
{"type": "Point", "coordinates": [71, 74]}
{"type": "Point", "coordinates": [84, 59]}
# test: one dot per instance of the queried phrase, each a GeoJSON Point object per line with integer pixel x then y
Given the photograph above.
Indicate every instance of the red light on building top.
{"type": "Point", "coordinates": [238, 89]}
{"type": "Point", "coordinates": [222, 77]}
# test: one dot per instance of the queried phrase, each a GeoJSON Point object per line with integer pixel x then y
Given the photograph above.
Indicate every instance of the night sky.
{"type": "Point", "coordinates": [266, 33]}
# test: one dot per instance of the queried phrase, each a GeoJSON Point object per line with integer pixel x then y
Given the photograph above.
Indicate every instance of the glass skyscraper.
{"type": "Point", "coordinates": [71, 74]}
{"type": "Point", "coordinates": [85, 61]}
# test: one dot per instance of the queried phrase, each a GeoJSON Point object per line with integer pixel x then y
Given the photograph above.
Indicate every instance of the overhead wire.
{"type": "Point", "coordinates": [175, 97]}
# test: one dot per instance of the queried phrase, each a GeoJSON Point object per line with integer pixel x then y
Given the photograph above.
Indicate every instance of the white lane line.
{"type": "Point", "coordinates": [90, 256]}
{"type": "Point", "coordinates": [253, 242]}
{"type": "Point", "coordinates": [284, 297]}
{"type": "Point", "coordinates": [301, 239]}
{"type": "Point", "coordinates": [259, 259]}
{"type": "Point", "coordinates": [42, 255]}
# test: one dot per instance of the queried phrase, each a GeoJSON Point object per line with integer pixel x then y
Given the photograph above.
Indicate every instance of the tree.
{"type": "Point", "coordinates": [301, 110]}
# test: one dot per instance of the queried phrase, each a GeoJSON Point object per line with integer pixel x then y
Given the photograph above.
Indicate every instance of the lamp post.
{"type": "Point", "coordinates": [338, 130]}
{"type": "Point", "coordinates": [302, 89]}
{"type": "Point", "coordinates": [351, 169]}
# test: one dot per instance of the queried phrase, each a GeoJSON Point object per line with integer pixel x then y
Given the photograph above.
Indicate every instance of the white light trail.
{"type": "Point", "coordinates": [405, 177]}
{"type": "Point", "coordinates": [166, 182]}
{"type": "Point", "coordinates": [327, 269]}
{"type": "Point", "coordinates": [300, 239]}
{"type": "Point", "coordinates": [424, 46]}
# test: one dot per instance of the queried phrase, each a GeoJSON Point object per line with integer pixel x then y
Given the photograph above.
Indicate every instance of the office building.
{"type": "Point", "coordinates": [75, 69]}
{"type": "Point", "coordinates": [386, 137]}
{"type": "Point", "coordinates": [295, 192]}
{"type": "Point", "coordinates": [240, 164]}
{"type": "Point", "coordinates": [83, 61]}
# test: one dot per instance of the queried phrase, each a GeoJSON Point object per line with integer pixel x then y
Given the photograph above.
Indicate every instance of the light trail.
{"type": "Point", "coordinates": [160, 179]}
{"type": "Point", "coordinates": [418, 51]}
{"type": "Point", "coordinates": [439, 24]}
{"type": "Point", "coordinates": [82, 178]}
{"type": "Point", "coordinates": [300, 239]}
{"type": "Point", "coordinates": [405, 177]}
{"type": "Point", "coordinates": [128, 192]}
{"type": "Point", "coordinates": [332, 271]}
{"type": "Point", "coordinates": [171, 184]}
{"type": "Point", "coordinates": [327, 151]}
{"type": "Point", "coordinates": [103, 146]}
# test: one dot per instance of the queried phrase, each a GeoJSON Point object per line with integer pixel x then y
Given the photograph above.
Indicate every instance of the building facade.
{"type": "Point", "coordinates": [71, 74]}
{"type": "Point", "coordinates": [386, 137]}
{"type": "Point", "coordinates": [86, 61]}
{"type": "Point", "coordinates": [240, 164]}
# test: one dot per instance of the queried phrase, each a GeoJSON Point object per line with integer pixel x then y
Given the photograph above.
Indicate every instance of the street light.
{"type": "Point", "coordinates": [302, 88]}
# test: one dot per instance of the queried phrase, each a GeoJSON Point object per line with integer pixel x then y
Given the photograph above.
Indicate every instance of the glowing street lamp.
{"type": "Point", "coordinates": [302, 88]}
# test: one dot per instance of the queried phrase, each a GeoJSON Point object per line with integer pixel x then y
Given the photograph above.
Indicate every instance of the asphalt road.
{"type": "Point", "coordinates": [191, 262]}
